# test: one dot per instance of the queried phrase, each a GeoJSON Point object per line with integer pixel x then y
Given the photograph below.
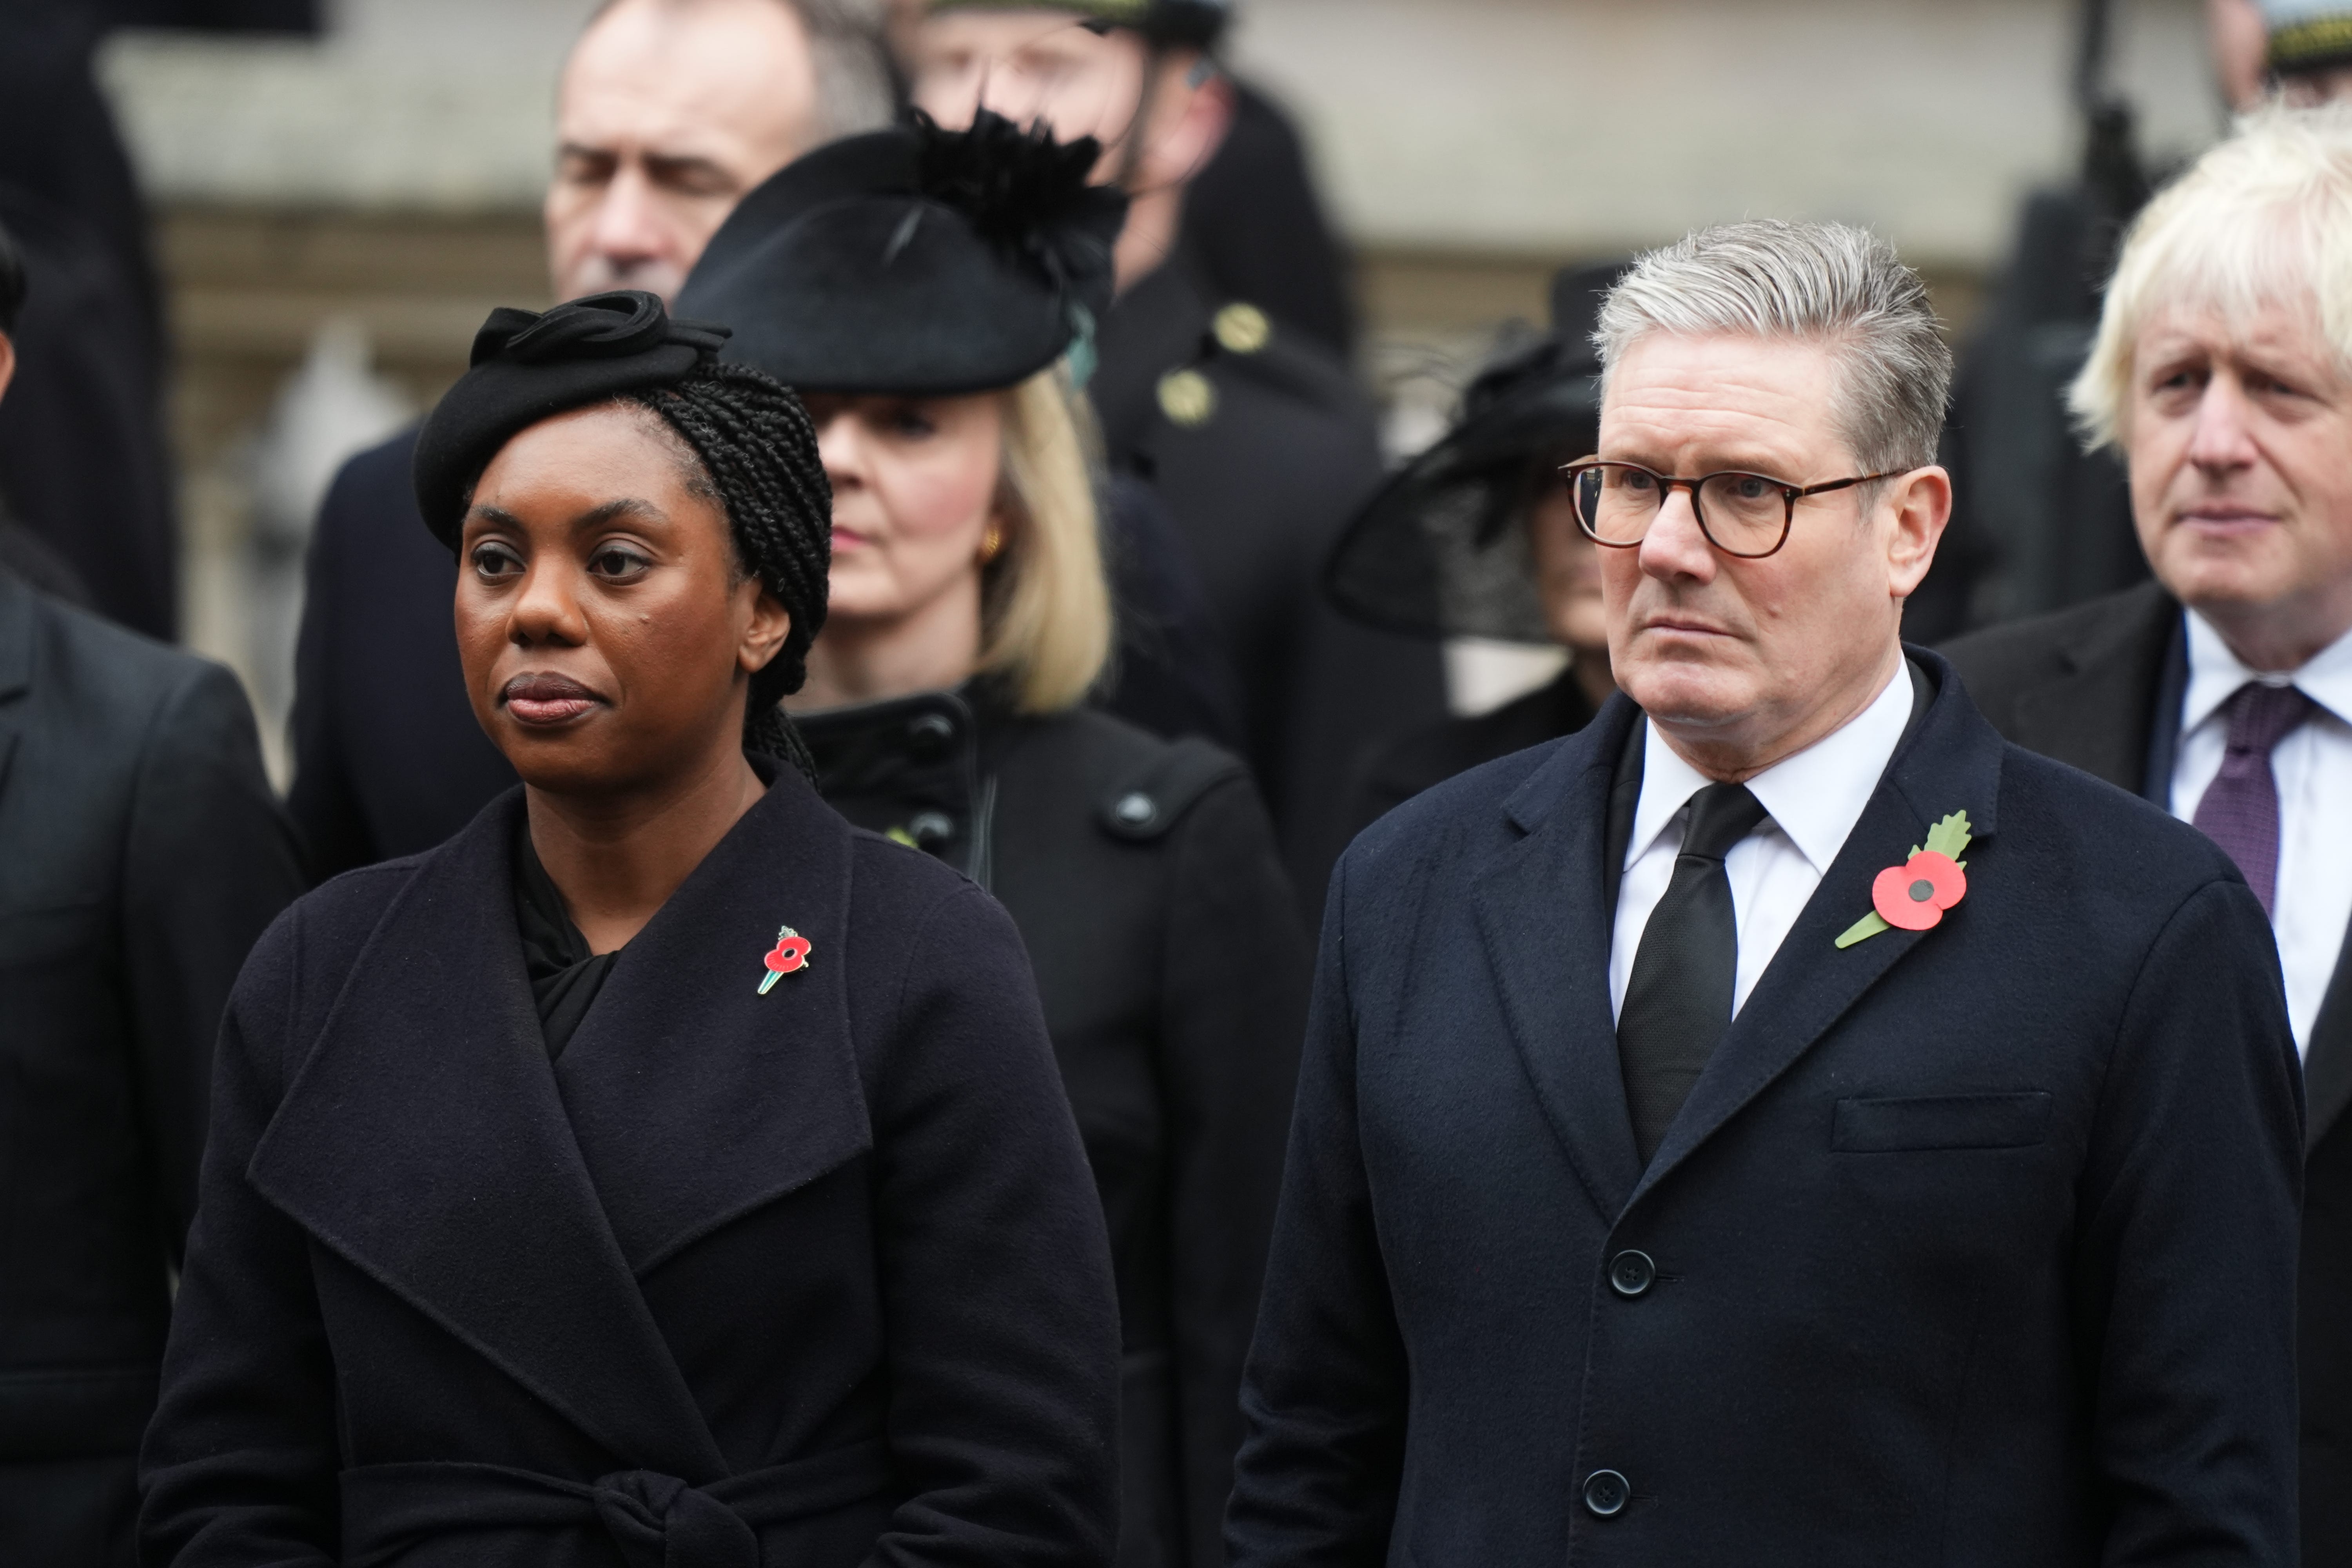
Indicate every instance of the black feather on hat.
{"type": "Point", "coordinates": [916, 260]}
{"type": "Point", "coordinates": [1441, 550]}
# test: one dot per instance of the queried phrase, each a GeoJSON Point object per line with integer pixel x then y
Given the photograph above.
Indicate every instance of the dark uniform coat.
{"type": "Point", "coordinates": [2100, 686]}
{"type": "Point", "coordinates": [813, 1277]}
{"type": "Point", "coordinates": [1265, 449]}
{"type": "Point", "coordinates": [1973, 1245]}
{"type": "Point", "coordinates": [1173, 970]}
{"type": "Point", "coordinates": [141, 853]}
{"type": "Point", "coordinates": [388, 759]}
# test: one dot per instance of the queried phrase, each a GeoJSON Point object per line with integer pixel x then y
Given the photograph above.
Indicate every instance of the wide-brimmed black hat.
{"type": "Point", "coordinates": [916, 260]}
{"type": "Point", "coordinates": [1197, 23]}
{"type": "Point", "coordinates": [1440, 550]}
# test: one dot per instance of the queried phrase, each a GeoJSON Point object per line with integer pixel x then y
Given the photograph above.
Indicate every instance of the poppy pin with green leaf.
{"type": "Point", "coordinates": [1914, 895]}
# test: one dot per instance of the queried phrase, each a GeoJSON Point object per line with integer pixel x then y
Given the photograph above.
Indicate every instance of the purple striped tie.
{"type": "Point", "coordinates": [2241, 808]}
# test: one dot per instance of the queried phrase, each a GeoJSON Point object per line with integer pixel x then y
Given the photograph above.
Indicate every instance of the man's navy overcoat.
{"type": "Point", "coordinates": [815, 1277]}
{"type": "Point", "coordinates": [1973, 1245]}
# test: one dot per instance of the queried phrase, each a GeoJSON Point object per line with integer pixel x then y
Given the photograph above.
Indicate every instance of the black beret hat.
{"type": "Point", "coordinates": [914, 260]}
{"type": "Point", "coordinates": [528, 366]}
{"type": "Point", "coordinates": [1436, 550]}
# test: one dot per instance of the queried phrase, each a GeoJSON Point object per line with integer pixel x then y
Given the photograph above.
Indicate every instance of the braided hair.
{"type": "Point", "coordinates": [757, 451]}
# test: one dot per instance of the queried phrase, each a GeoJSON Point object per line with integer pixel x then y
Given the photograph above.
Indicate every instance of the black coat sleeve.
{"type": "Point", "coordinates": [239, 1467]}
{"type": "Point", "coordinates": [1233, 1005]}
{"type": "Point", "coordinates": [1323, 1398]}
{"type": "Point", "coordinates": [209, 863]}
{"type": "Point", "coordinates": [1002, 1319]}
{"type": "Point", "coordinates": [2185, 1261]}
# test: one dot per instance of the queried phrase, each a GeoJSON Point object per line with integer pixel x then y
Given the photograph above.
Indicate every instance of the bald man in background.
{"type": "Point", "coordinates": [668, 111]}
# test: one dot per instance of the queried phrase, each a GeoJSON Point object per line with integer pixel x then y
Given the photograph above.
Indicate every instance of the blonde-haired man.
{"type": "Point", "coordinates": [2222, 690]}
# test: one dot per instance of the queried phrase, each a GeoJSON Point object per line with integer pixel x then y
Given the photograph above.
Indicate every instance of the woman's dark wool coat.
{"type": "Point", "coordinates": [1146, 883]}
{"type": "Point", "coordinates": [813, 1278]}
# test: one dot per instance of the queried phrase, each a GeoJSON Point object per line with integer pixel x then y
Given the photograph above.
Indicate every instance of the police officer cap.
{"type": "Point", "coordinates": [2308, 35]}
{"type": "Point", "coordinates": [1193, 24]}
{"type": "Point", "coordinates": [527, 366]}
{"type": "Point", "coordinates": [1440, 549]}
{"type": "Point", "coordinates": [916, 260]}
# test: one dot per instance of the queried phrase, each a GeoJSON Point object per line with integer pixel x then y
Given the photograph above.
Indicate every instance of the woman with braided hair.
{"type": "Point", "coordinates": [662, 1171]}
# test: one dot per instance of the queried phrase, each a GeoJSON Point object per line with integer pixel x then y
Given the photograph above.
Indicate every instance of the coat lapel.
{"type": "Point", "coordinates": [2096, 716]}
{"type": "Point", "coordinates": [1541, 916]}
{"type": "Point", "coordinates": [694, 1098]}
{"type": "Point", "coordinates": [423, 1139]}
{"type": "Point", "coordinates": [1952, 763]}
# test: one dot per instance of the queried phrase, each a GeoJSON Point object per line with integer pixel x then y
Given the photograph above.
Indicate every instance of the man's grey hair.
{"type": "Point", "coordinates": [849, 55]}
{"type": "Point", "coordinates": [1827, 283]}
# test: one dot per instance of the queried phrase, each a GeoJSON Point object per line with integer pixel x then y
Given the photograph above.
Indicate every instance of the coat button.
{"type": "Point", "coordinates": [1136, 809]}
{"type": "Point", "coordinates": [931, 827]}
{"type": "Point", "coordinates": [1631, 1273]}
{"type": "Point", "coordinates": [1606, 1493]}
{"type": "Point", "coordinates": [929, 736]}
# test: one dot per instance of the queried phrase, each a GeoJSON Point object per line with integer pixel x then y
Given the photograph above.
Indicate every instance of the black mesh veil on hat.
{"type": "Point", "coordinates": [917, 261]}
{"type": "Point", "coordinates": [749, 435]}
{"type": "Point", "coordinates": [1440, 549]}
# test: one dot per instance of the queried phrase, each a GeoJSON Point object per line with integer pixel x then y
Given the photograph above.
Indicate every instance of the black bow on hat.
{"type": "Point", "coordinates": [529, 365]}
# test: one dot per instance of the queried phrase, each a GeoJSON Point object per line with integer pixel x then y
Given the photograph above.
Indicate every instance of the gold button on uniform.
{"type": "Point", "coordinates": [1242, 329]}
{"type": "Point", "coordinates": [1187, 398]}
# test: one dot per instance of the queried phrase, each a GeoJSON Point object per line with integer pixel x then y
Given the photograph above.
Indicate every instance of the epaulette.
{"type": "Point", "coordinates": [1149, 802]}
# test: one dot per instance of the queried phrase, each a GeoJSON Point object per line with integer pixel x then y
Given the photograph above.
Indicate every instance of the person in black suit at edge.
{"type": "Point", "coordinates": [668, 114]}
{"type": "Point", "coordinates": [661, 1171]}
{"type": "Point", "coordinates": [926, 288]}
{"type": "Point", "coordinates": [2221, 692]}
{"type": "Point", "coordinates": [1256, 436]}
{"type": "Point", "coordinates": [141, 853]}
{"type": "Point", "coordinates": [1782, 1124]}
{"type": "Point", "coordinates": [1511, 561]}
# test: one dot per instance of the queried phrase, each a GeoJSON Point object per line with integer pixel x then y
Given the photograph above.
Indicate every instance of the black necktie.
{"type": "Point", "coordinates": [1678, 1000]}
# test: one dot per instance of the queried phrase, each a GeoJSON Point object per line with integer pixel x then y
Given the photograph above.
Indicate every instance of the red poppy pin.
{"type": "Point", "coordinates": [1914, 895]}
{"type": "Point", "coordinates": [790, 957]}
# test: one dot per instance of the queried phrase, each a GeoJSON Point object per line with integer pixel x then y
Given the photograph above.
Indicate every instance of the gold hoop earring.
{"type": "Point", "coordinates": [991, 544]}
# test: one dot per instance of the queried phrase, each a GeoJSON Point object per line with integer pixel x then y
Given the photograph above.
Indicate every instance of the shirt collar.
{"type": "Point", "coordinates": [1814, 798]}
{"type": "Point", "coordinates": [2215, 674]}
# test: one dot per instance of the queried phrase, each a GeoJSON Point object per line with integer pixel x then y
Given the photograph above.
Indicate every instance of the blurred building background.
{"type": "Point", "coordinates": [334, 216]}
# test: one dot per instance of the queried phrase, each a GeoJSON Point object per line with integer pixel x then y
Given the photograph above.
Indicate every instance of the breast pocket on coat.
{"type": "Point", "coordinates": [1889, 1126]}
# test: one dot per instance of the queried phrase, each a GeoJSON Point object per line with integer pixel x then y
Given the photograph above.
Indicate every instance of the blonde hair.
{"type": "Point", "coordinates": [2263, 219]}
{"type": "Point", "coordinates": [1045, 615]}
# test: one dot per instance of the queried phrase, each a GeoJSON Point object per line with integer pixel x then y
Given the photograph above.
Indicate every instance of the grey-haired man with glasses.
{"type": "Point", "coordinates": [1783, 1123]}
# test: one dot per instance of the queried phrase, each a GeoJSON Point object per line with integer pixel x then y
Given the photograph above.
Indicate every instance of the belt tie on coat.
{"type": "Point", "coordinates": [655, 1521]}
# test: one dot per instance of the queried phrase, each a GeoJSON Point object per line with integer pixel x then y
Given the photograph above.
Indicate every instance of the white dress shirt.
{"type": "Point", "coordinates": [2314, 769]}
{"type": "Point", "coordinates": [1813, 799]}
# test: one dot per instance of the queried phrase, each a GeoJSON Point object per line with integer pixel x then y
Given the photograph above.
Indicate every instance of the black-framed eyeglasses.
{"type": "Point", "coordinates": [1742, 514]}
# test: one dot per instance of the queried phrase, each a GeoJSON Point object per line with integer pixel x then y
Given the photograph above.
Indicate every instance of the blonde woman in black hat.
{"type": "Point", "coordinates": [661, 1171]}
{"type": "Point", "coordinates": [931, 295]}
